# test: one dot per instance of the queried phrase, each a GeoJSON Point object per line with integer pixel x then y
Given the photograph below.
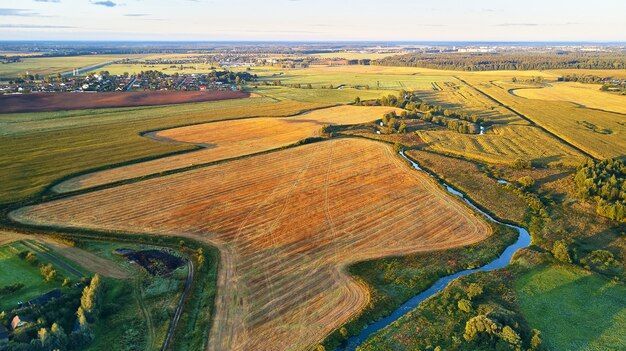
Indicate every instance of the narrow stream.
{"type": "Point", "coordinates": [523, 240]}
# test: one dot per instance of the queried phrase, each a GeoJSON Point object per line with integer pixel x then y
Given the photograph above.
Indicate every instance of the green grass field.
{"type": "Point", "coordinates": [575, 310]}
{"type": "Point", "coordinates": [54, 65]}
{"type": "Point", "coordinates": [15, 270]}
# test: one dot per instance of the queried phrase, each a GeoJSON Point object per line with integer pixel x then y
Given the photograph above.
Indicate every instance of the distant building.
{"type": "Point", "coordinates": [18, 322]}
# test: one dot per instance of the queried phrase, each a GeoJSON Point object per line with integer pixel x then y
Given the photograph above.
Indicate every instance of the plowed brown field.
{"type": "Point", "coordinates": [38, 102]}
{"type": "Point", "coordinates": [227, 139]}
{"type": "Point", "coordinates": [287, 223]}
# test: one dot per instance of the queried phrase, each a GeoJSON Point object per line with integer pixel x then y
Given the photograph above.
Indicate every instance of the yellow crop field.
{"type": "Point", "coordinates": [601, 134]}
{"type": "Point", "coordinates": [504, 144]}
{"type": "Point", "coordinates": [587, 95]}
{"type": "Point", "coordinates": [228, 139]}
{"type": "Point", "coordinates": [287, 223]}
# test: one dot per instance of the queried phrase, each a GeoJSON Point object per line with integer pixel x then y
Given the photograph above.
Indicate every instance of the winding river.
{"type": "Point", "coordinates": [523, 240]}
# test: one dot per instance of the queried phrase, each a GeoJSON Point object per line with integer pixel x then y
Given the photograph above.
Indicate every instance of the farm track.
{"type": "Point", "coordinates": [528, 119]}
{"type": "Point", "coordinates": [179, 307]}
{"type": "Point", "coordinates": [263, 302]}
{"type": "Point", "coordinates": [44, 251]}
{"type": "Point", "coordinates": [138, 292]}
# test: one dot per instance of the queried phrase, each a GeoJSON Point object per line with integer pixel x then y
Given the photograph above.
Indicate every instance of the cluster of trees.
{"type": "Point", "coordinates": [458, 121]}
{"type": "Point", "coordinates": [603, 181]}
{"type": "Point", "coordinates": [390, 121]}
{"type": "Point", "coordinates": [48, 272]}
{"type": "Point", "coordinates": [69, 319]}
{"type": "Point", "coordinates": [508, 60]}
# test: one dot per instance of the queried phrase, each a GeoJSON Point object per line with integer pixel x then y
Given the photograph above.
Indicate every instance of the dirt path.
{"type": "Point", "coordinates": [181, 304]}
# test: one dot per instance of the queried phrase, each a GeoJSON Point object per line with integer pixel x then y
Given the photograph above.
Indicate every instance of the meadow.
{"type": "Point", "coordinates": [228, 139]}
{"type": "Point", "coordinates": [14, 270]}
{"type": "Point", "coordinates": [574, 309]}
{"type": "Point", "coordinates": [55, 65]}
{"type": "Point", "coordinates": [285, 228]}
{"type": "Point", "coordinates": [587, 95]}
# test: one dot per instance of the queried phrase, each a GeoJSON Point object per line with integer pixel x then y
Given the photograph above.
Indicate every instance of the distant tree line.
{"type": "Point", "coordinates": [608, 83]}
{"type": "Point", "coordinates": [508, 61]}
{"type": "Point", "coordinates": [603, 181]}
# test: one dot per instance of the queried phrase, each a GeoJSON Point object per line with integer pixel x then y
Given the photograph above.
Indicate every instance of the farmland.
{"type": "Point", "coordinates": [504, 144]}
{"type": "Point", "coordinates": [587, 95]}
{"type": "Point", "coordinates": [287, 213]}
{"type": "Point", "coordinates": [300, 223]}
{"type": "Point", "coordinates": [72, 101]}
{"type": "Point", "coordinates": [228, 139]}
{"type": "Point", "coordinates": [55, 65]}
{"type": "Point", "coordinates": [598, 133]}
{"type": "Point", "coordinates": [85, 139]}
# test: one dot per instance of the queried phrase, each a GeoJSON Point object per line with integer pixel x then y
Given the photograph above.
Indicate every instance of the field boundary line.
{"type": "Point", "coordinates": [528, 119]}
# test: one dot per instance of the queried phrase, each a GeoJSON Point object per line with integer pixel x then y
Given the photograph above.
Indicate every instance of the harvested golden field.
{"type": "Point", "coordinates": [503, 144]}
{"type": "Point", "coordinates": [228, 139]}
{"type": "Point", "coordinates": [587, 95]}
{"type": "Point", "coordinates": [601, 134]}
{"type": "Point", "coordinates": [287, 223]}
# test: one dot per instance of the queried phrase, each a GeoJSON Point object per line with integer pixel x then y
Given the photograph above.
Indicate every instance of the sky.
{"type": "Point", "coordinates": [314, 20]}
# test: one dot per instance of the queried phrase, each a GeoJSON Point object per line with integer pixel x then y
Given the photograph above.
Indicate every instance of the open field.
{"type": "Point", "coordinates": [134, 68]}
{"type": "Point", "coordinates": [228, 139]}
{"type": "Point", "coordinates": [54, 65]}
{"type": "Point", "coordinates": [318, 95]}
{"type": "Point", "coordinates": [587, 95]}
{"type": "Point", "coordinates": [86, 139]}
{"type": "Point", "coordinates": [80, 101]}
{"type": "Point", "coordinates": [598, 133]}
{"type": "Point", "coordinates": [376, 77]}
{"type": "Point", "coordinates": [574, 309]}
{"type": "Point", "coordinates": [14, 269]}
{"type": "Point", "coordinates": [504, 144]}
{"type": "Point", "coordinates": [286, 227]}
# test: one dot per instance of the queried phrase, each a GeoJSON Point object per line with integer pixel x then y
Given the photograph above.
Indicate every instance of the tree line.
{"type": "Point", "coordinates": [603, 182]}
{"type": "Point", "coordinates": [507, 61]}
